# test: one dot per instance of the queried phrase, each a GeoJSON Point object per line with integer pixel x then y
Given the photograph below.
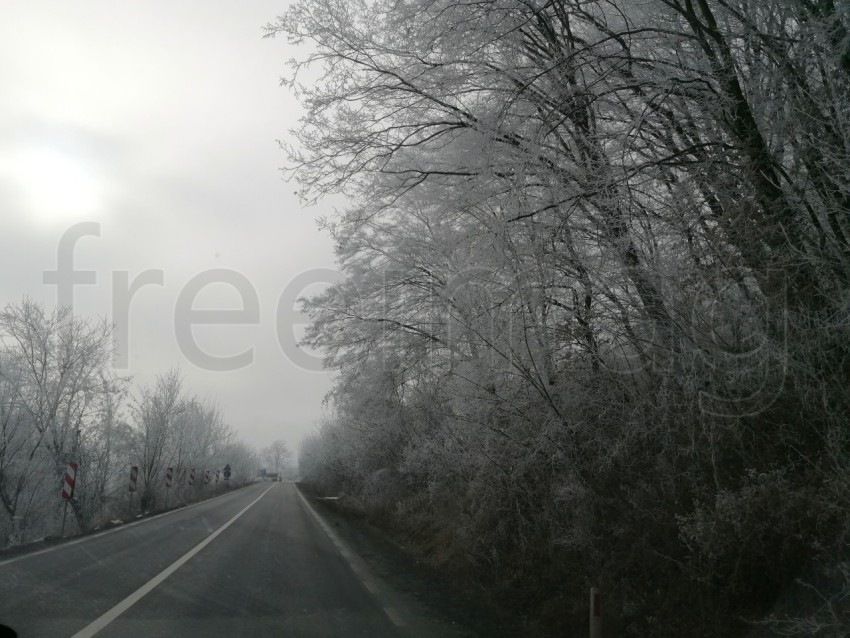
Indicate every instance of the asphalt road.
{"type": "Point", "coordinates": [254, 562]}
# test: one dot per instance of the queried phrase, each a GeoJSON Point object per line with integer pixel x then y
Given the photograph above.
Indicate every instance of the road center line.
{"type": "Point", "coordinates": [136, 596]}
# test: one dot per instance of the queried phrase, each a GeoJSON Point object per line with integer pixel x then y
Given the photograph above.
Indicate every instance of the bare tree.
{"type": "Point", "coordinates": [21, 454]}
{"type": "Point", "coordinates": [276, 455]}
{"type": "Point", "coordinates": [157, 410]}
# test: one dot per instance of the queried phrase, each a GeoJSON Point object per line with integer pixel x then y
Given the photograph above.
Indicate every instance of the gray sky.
{"type": "Point", "coordinates": [158, 121]}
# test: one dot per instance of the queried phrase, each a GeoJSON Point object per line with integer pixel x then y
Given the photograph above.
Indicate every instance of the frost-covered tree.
{"type": "Point", "coordinates": [276, 455]}
{"type": "Point", "coordinates": [595, 285]}
{"type": "Point", "coordinates": [56, 371]}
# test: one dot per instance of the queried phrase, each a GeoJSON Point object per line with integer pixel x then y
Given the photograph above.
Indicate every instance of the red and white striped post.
{"type": "Point", "coordinates": [206, 477]}
{"type": "Point", "coordinates": [68, 483]}
{"type": "Point", "coordinates": [134, 475]}
{"type": "Point", "coordinates": [169, 476]}
{"type": "Point", "coordinates": [595, 613]}
{"type": "Point", "coordinates": [191, 477]}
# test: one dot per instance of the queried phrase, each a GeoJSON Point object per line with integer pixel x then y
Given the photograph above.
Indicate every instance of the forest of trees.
{"type": "Point", "coordinates": [594, 326]}
{"type": "Point", "coordinates": [60, 402]}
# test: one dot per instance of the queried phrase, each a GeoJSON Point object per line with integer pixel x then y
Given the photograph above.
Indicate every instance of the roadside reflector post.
{"type": "Point", "coordinates": [169, 475]}
{"type": "Point", "coordinates": [595, 613]}
{"type": "Point", "coordinates": [68, 482]}
{"type": "Point", "coordinates": [134, 474]}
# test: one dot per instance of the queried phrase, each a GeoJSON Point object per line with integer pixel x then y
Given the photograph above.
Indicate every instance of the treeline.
{"type": "Point", "coordinates": [594, 327]}
{"type": "Point", "coordinates": [61, 402]}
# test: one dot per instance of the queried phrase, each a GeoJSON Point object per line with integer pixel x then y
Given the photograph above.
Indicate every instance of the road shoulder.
{"type": "Point", "coordinates": [425, 591]}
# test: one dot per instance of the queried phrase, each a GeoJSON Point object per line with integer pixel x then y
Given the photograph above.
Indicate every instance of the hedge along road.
{"type": "Point", "coordinates": [255, 562]}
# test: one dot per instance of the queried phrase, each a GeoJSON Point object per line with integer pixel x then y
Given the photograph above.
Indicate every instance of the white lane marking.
{"type": "Point", "coordinates": [352, 560]}
{"type": "Point", "coordinates": [136, 596]}
{"type": "Point", "coordinates": [124, 526]}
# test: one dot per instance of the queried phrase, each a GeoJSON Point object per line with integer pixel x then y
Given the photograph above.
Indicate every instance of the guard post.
{"type": "Point", "coordinates": [595, 613]}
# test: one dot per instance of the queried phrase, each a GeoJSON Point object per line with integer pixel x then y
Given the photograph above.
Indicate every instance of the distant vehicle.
{"type": "Point", "coordinates": [273, 476]}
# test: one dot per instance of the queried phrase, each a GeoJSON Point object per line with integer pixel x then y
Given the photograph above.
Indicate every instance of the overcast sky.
{"type": "Point", "coordinates": [158, 121]}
